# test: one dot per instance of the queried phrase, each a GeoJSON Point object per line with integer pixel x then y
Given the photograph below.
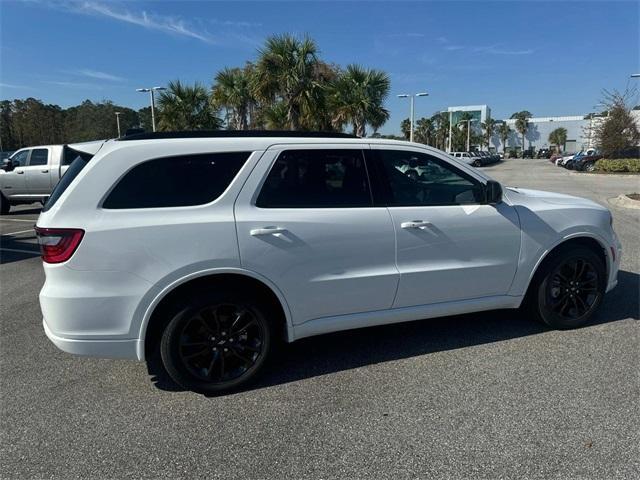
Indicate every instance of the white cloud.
{"type": "Point", "coordinates": [98, 75]}
{"type": "Point", "coordinates": [9, 85]}
{"type": "Point", "coordinates": [87, 86]}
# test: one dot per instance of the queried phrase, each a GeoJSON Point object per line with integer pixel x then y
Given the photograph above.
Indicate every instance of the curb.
{"type": "Point", "coordinates": [624, 201]}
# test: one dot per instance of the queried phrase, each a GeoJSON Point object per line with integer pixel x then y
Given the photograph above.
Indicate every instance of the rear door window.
{"type": "Point", "coordinates": [179, 181]}
{"type": "Point", "coordinates": [317, 179]}
{"type": "Point", "coordinates": [39, 156]}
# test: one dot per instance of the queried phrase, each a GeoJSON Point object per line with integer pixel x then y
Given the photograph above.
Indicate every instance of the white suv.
{"type": "Point", "coordinates": [212, 247]}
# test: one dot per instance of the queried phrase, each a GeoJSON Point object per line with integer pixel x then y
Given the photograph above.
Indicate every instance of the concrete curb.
{"type": "Point", "coordinates": [624, 201]}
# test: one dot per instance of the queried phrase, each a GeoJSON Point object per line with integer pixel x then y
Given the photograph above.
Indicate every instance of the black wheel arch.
{"type": "Point", "coordinates": [232, 282]}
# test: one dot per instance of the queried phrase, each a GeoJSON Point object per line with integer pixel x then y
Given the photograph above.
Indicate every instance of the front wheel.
{"type": "Point", "coordinates": [477, 163]}
{"type": "Point", "coordinates": [217, 344]}
{"type": "Point", "coordinates": [570, 288]}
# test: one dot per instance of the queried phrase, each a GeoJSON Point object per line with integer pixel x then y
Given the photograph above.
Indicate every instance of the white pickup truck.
{"type": "Point", "coordinates": [31, 173]}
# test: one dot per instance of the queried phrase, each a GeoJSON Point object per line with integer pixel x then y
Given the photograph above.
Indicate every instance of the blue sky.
{"type": "Point", "coordinates": [551, 58]}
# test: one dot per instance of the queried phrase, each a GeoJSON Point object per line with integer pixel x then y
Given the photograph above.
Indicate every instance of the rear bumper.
{"type": "Point", "coordinates": [96, 348]}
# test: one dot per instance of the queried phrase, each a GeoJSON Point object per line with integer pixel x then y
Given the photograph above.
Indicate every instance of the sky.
{"type": "Point", "coordinates": [550, 58]}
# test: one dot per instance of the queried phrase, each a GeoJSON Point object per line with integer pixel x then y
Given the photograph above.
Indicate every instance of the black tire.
{"type": "Point", "coordinates": [568, 288]}
{"type": "Point", "coordinates": [589, 167]}
{"type": "Point", "coordinates": [5, 206]}
{"type": "Point", "coordinates": [477, 163]}
{"type": "Point", "coordinates": [203, 351]}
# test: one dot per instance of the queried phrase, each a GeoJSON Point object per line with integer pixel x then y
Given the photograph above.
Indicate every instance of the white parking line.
{"type": "Point", "coordinates": [16, 220]}
{"type": "Point", "coordinates": [16, 233]}
{"type": "Point", "coordinates": [16, 250]}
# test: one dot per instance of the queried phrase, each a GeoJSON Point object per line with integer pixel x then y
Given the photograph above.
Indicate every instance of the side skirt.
{"type": "Point", "coordinates": [405, 314]}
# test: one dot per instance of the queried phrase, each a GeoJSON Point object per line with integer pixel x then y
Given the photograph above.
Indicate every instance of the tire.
{"type": "Point", "coordinates": [203, 351]}
{"type": "Point", "coordinates": [589, 167]}
{"type": "Point", "coordinates": [477, 163]}
{"type": "Point", "coordinates": [578, 271]}
{"type": "Point", "coordinates": [5, 206]}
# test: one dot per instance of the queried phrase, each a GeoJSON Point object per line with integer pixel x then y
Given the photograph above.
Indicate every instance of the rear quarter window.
{"type": "Point", "coordinates": [178, 181]}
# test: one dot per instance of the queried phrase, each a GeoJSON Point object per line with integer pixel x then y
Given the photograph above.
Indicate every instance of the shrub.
{"type": "Point", "coordinates": [618, 165]}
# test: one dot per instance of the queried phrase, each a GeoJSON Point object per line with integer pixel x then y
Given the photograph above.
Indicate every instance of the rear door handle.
{"type": "Point", "coordinates": [267, 231]}
{"type": "Point", "coordinates": [415, 224]}
{"type": "Point", "coordinates": [44, 171]}
{"type": "Point", "coordinates": [20, 172]}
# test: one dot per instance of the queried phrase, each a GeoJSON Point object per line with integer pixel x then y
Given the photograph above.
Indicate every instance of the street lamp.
{"type": "Point", "coordinates": [635, 75]}
{"type": "Point", "coordinates": [153, 102]}
{"type": "Point", "coordinates": [118, 122]}
{"type": "Point", "coordinates": [412, 96]}
{"type": "Point", "coordinates": [468, 122]}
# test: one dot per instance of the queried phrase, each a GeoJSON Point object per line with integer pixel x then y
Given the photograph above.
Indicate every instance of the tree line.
{"type": "Point", "coordinates": [288, 86]}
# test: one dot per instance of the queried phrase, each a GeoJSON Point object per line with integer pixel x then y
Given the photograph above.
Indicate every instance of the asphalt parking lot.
{"type": "Point", "coordinates": [488, 395]}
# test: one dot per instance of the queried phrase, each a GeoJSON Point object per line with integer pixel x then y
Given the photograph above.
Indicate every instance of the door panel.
{"type": "Point", "coordinates": [325, 260]}
{"type": "Point", "coordinates": [13, 182]}
{"type": "Point", "coordinates": [37, 173]}
{"type": "Point", "coordinates": [460, 252]}
{"type": "Point", "coordinates": [450, 245]}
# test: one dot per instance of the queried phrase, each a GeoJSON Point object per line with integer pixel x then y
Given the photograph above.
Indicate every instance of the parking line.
{"type": "Point", "coordinates": [16, 220]}
{"type": "Point", "coordinates": [16, 233]}
{"type": "Point", "coordinates": [16, 250]}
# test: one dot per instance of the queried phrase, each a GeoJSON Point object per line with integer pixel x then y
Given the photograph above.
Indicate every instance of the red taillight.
{"type": "Point", "coordinates": [58, 244]}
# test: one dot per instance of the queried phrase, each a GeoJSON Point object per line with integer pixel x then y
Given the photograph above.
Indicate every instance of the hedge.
{"type": "Point", "coordinates": [618, 165]}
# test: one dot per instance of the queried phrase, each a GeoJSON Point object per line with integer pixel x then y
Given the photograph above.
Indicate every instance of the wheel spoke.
{"type": "Point", "coordinates": [583, 307]}
{"type": "Point", "coordinates": [241, 330]}
{"type": "Point", "coordinates": [239, 315]}
{"type": "Point", "coordinates": [197, 353]}
{"type": "Point", "coordinates": [215, 356]}
{"type": "Point", "coordinates": [203, 322]}
{"type": "Point", "coordinates": [247, 361]}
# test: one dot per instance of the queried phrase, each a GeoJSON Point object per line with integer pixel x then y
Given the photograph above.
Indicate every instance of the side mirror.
{"type": "Point", "coordinates": [7, 165]}
{"type": "Point", "coordinates": [493, 192]}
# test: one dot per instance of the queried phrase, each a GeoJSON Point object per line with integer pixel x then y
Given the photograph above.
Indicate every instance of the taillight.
{"type": "Point", "coordinates": [58, 244]}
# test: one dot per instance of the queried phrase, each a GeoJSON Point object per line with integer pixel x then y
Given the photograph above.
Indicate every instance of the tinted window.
{"type": "Point", "coordinates": [176, 181]}
{"type": "Point", "coordinates": [39, 156]}
{"type": "Point", "coordinates": [20, 158]}
{"type": "Point", "coordinates": [316, 179]}
{"type": "Point", "coordinates": [416, 179]}
{"type": "Point", "coordinates": [72, 172]}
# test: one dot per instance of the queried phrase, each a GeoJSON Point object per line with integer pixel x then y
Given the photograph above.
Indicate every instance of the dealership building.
{"type": "Point", "coordinates": [578, 128]}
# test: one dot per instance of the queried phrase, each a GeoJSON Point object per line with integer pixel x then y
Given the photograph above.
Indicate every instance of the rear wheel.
{"type": "Point", "coordinates": [216, 344]}
{"type": "Point", "coordinates": [590, 167]}
{"type": "Point", "coordinates": [477, 163]}
{"type": "Point", "coordinates": [569, 289]}
{"type": "Point", "coordinates": [5, 206]}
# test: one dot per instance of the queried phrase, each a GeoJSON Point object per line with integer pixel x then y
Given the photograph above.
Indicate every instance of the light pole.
{"type": "Point", "coordinates": [118, 122]}
{"type": "Point", "coordinates": [635, 75]}
{"type": "Point", "coordinates": [450, 133]}
{"type": "Point", "coordinates": [153, 102]}
{"type": "Point", "coordinates": [468, 122]}
{"type": "Point", "coordinates": [412, 96]}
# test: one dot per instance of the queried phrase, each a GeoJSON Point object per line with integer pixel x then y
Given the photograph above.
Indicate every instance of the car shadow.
{"type": "Point", "coordinates": [335, 352]}
{"type": "Point", "coordinates": [15, 249]}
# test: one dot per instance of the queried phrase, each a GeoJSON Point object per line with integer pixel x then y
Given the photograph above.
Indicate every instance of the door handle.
{"type": "Point", "coordinates": [20, 172]}
{"type": "Point", "coordinates": [44, 171]}
{"type": "Point", "coordinates": [415, 224]}
{"type": "Point", "coordinates": [267, 231]}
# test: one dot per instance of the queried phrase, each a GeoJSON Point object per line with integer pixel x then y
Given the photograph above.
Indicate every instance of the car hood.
{"type": "Point", "coordinates": [529, 198]}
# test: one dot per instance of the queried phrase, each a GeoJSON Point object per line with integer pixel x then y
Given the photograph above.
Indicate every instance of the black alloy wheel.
{"type": "Point", "coordinates": [572, 288]}
{"type": "Point", "coordinates": [217, 346]}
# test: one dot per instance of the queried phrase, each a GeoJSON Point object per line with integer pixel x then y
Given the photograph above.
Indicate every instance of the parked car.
{"type": "Point", "coordinates": [529, 153]}
{"type": "Point", "coordinates": [544, 153]}
{"type": "Point", "coordinates": [470, 158]}
{"type": "Point", "coordinates": [570, 160]}
{"type": "Point", "coordinates": [586, 163]}
{"type": "Point", "coordinates": [210, 248]}
{"type": "Point", "coordinates": [30, 174]}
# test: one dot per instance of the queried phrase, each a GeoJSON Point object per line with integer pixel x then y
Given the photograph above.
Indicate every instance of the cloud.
{"type": "Point", "coordinates": [407, 35]}
{"type": "Point", "coordinates": [9, 85]}
{"type": "Point", "coordinates": [452, 48]}
{"type": "Point", "coordinates": [98, 75]}
{"type": "Point", "coordinates": [84, 85]}
{"type": "Point", "coordinates": [497, 50]}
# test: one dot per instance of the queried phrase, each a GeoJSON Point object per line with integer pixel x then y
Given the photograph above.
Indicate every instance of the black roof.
{"type": "Point", "coordinates": [234, 134]}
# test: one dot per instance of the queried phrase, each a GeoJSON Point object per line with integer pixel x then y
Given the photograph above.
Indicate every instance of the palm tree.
{"type": "Point", "coordinates": [275, 116]}
{"type": "Point", "coordinates": [558, 137]}
{"type": "Point", "coordinates": [405, 128]}
{"type": "Point", "coordinates": [286, 71]}
{"type": "Point", "coordinates": [504, 131]}
{"type": "Point", "coordinates": [424, 131]}
{"type": "Point", "coordinates": [440, 121]}
{"type": "Point", "coordinates": [232, 91]}
{"type": "Point", "coordinates": [185, 107]}
{"type": "Point", "coordinates": [522, 125]}
{"type": "Point", "coordinates": [357, 97]}
{"type": "Point", "coordinates": [488, 125]}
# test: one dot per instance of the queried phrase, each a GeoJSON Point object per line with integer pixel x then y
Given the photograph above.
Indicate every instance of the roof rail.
{"type": "Point", "coordinates": [234, 134]}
